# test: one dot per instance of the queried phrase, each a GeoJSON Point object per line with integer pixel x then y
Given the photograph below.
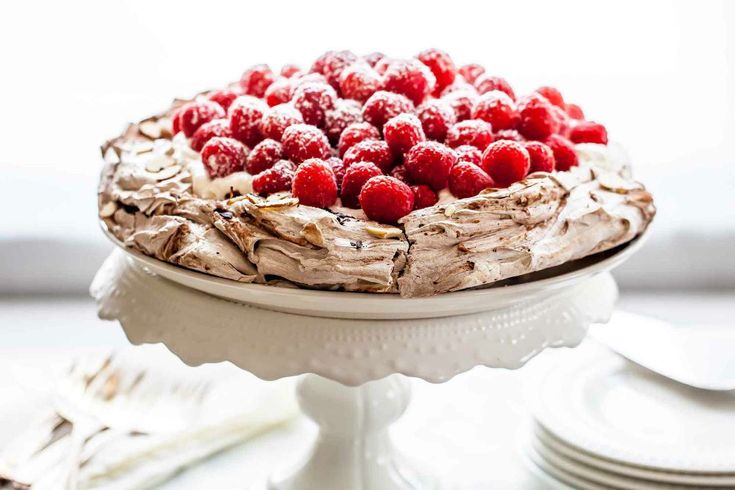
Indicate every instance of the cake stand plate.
{"type": "Point", "coordinates": [354, 386]}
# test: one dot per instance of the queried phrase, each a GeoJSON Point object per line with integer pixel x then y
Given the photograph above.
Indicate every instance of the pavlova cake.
{"type": "Point", "coordinates": [373, 174]}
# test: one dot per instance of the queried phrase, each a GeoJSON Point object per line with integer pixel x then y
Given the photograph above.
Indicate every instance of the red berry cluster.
{"type": "Point", "coordinates": [382, 134]}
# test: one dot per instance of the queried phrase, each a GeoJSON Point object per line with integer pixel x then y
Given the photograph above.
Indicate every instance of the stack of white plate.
{"type": "Point", "coordinates": [602, 422]}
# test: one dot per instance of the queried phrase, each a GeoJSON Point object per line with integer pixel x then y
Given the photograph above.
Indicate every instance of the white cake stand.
{"type": "Point", "coordinates": [355, 386]}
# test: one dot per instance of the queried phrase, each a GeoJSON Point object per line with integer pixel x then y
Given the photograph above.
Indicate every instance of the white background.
{"type": "Point", "coordinates": [659, 74]}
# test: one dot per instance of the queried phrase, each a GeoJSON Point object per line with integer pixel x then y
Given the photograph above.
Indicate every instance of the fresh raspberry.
{"type": "Point", "coordinates": [373, 58]}
{"type": "Point", "coordinates": [436, 117]}
{"type": "Point", "coordinates": [320, 62]}
{"type": "Point", "coordinates": [223, 156]}
{"type": "Point", "coordinates": [467, 180]}
{"type": "Point", "coordinates": [574, 111]}
{"type": "Point", "coordinates": [429, 163]}
{"type": "Point", "coordinates": [402, 133]}
{"type": "Point", "coordinates": [246, 114]}
{"type": "Point", "coordinates": [386, 199]}
{"type": "Point", "coordinates": [564, 153]}
{"type": "Point", "coordinates": [506, 162]}
{"type": "Point", "coordinates": [288, 70]}
{"type": "Point", "coordinates": [207, 131]}
{"type": "Point", "coordinates": [565, 122]}
{"type": "Point", "coordinates": [441, 66]}
{"type": "Point", "coordinates": [459, 85]}
{"type": "Point", "coordinates": [542, 158]}
{"type": "Point", "coordinates": [382, 65]}
{"type": "Point", "coordinates": [468, 153]}
{"type": "Point", "coordinates": [485, 83]}
{"type": "Point", "coordinates": [552, 95]}
{"type": "Point", "coordinates": [354, 133]}
{"type": "Point", "coordinates": [537, 121]}
{"type": "Point", "coordinates": [307, 78]}
{"type": "Point", "coordinates": [338, 168]}
{"type": "Point", "coordinates": [423, 196]}
{"type": "Point", "coordinates": [314, 184]}
{"type": "Point", "coordinates": [382, 106]}
{"type": "Point", "coordinates": [278, 92]}
{"type": "Point", "coordinates": [278, 178]}
{"type": "Point", "coordinates": [302, 141]}
{"type": "Point", "coordinates": [263, 156]}
{"type": "Point", "coordinates": [588, 132]}
{"type": "Point", "coordinates": [462, 101]}
{"type": "Point", "coordinates": [334, 64]}
{"type": "Point", "coordinates": [313, 100]}
{"type": "Point", "coordinates": [375, 151]}
{"type": "Point", "coordinates": [410, 78]}
{"type": "Point", "coordinates": [359, 82]}
{"type": "Point", "coordinates": [470, 132]}
{"type": "Point", "coordinates": [399, 172]}
{"type": "Point", "coordinates": [509, 134]}
{"type": "Point", "coordinates": [345, 112]}
{"type": "Point", "coordinates": [194, 114]}
{"type": "Point", "coordinates": [176, 121]}
{"type": "Point", "coordinates": [256, 80]}
{"type": "Point", "coordinates": [223, 97]}
{"type": "Point", "coordinates": [277, 119]}
{"type": "Point", "coordinates": [355, 177]}
{"type": "Point", "coordinates": [496, 108]}
{"type": "Point", "coordinates": [471, 71]}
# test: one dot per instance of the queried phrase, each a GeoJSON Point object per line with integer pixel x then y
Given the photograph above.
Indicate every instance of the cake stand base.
{"type": "Point", "coordinates": [353, 449]}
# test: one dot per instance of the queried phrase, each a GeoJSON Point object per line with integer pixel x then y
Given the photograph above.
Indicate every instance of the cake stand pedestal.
{"type": "Point", "coordinates": [355, 385]}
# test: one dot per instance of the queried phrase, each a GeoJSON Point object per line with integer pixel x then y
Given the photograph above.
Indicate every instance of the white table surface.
{"type": "Point", "coordinates": [466, 430]}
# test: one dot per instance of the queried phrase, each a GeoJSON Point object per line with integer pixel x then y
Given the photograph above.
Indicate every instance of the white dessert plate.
{"type": "Point", "coordinates": [371, 306]}
{"type": "Point", "coordinates": [616, 410]}
{"type": "Point", "coordinates": [549, 443]}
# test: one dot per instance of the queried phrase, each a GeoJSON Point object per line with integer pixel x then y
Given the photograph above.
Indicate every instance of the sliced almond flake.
{"type": "Point", "coordinates": [141, 147]}
{"type": "Point", "coordinates": [168, 172]}
{"type": "Point", "coordinates": [384, 232]}
{"type": "Point", "coordinates": [150, 128]}
{"type": "Point", "coordinates": [111, 156]}
{"type": "Point", "coordinates": [108, 209]}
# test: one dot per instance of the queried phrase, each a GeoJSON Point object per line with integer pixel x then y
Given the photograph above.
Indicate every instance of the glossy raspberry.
{"type": "Point", "coordinates": [176, 121]}
{"type": "Point", "coordinates": [565, 122]}
{"type": "Point", "coordinates": [506, 162]}
{"type": "Point", "coordinates": [588, 132]}
{"type": "Point", "coordinates": [345, 112]}
{"type": "Point", "coordinates": [302, 141]}
{"type": "Point", "coordinates": [400, 173]}
{"type": "Point", "coordinates": [423, 196]}
{"type": "Point", "coordinates": [537, 119]}
{"type": "Point", "coordinates": [382, 106]}
{"type": "Point", "coordinates": [314, 184]}
{"type": "Point", "coordinates": [256, 80]}
{"type": "Point", "coordinates": [462, 101]}
{"type": "Point", "coordinates": [354, 133]}
{"type": "Point", "coordinates": [207, 131]}
{"type": "Point", "coordinates": [386, 199]}
{"type": "Point", "coordinates": [552, 95]}
{"type": "Point", "coordinates": [288, 70]}
{"type": "Point", "coordinates": [542, 158]}
{"type": "Point", "coordinates": [429, 163]}
{"type": "Point", "coordinates": [303, 79]}
{"type": "Point", "coordinates": [441, 66]}
{"type": "Point", "coordinates": [467, 180]}
{"type": "Point", "coordinates": [564, 154]}
{"type": "Point", "coordinates": [355, 177]}
{"type": "Point", "coordinates": [436, 117]}
{"type": "Point", "coordinates": [223, 156]}
{"type": "Point", "coordinates": [509, 134]}
{"type": "Point", "coordinates": [359, 82]}
{"type": "Point", "coordinates": [194, 114]}
{"type": "Point", "coordinates": [471, 71]}
{"type": "Point", "coordinates": [468, 153]}
{"type": "Point", "coordinates": [410, 78]}
{"type": "Point", "coordinates": [313, 100]}
{"type": "Point", "coordinates": [382, 65]}
{"type": "Point", "coordinates": [338, 168]}
{"type": "Point", "coordinates": [402, 133]}
{"type": "Point", "coordinates": [278, 178]}
{"type": "Point", "coordinates": [335, 63]}
{"type": "Point", "coordinates": [277, 119]}
{"type": "Point", "coordinates": [246, 114]}
{"type": "Point", "coordinates": [485, 83]}
{"type": "Point", "coordinates": [375, 151]}
{"type": "Point", "coordinates": [574, 111]}
{"type": "Point", "coordinates": [470, 132]}
{"type": "Point", "coordinates": [373, 58]}
{"type": "Point", "coordinates": [263, 156]}
{"type": "Point", "coordinates": [279, 92]}
{"type": "Point", "coordinates": [223, 97]}
{"type": "Point", "coordinates": [459, 85]}
{"type": "Point", "coordinates": [496, 108]}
